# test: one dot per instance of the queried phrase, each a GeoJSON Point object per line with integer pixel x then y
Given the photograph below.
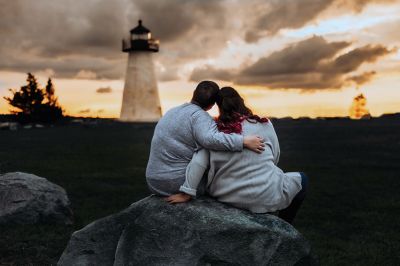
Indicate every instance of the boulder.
{"type": "Point", "coordinates": [199, 232]}
{"type": "Point", "coordinates": [30, 199]}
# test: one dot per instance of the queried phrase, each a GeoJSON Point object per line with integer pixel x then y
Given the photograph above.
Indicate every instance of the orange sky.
{"type": "Point", "coordinates": [367, 26]}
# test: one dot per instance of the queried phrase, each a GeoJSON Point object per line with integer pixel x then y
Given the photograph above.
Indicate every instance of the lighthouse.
{"type": "Point", "coordinates": [140, 102]}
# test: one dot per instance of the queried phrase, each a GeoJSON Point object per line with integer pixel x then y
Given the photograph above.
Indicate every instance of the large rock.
{"type": "Point", "coordinates": [30, 199]}
{"type": "Point", "coordinates": [200, 232]}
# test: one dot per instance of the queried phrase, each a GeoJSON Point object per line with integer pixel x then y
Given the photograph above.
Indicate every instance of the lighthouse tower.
{"type": "Point", "coordinates": [140, 101]}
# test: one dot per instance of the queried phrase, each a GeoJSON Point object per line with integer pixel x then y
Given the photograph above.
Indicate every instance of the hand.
{"type": "Point", "coordinates": [254, 143]}
{"type": "Point", "coordinates": [178, 198]}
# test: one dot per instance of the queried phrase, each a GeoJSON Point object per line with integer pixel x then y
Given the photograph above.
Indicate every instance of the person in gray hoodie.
{"type": "Point", "coordinates": [245, 180]}
{"type": "Point", "coordinates": [181, 132]}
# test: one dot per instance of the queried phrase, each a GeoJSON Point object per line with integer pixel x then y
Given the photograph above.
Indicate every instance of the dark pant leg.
{"type": "Point", "coordinates": [202, 188]}
{"type": "Point", "coordinates": [290, 212]}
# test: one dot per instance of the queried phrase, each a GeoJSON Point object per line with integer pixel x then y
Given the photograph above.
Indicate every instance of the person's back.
{"type": "Point", "coordinates": [252, 181]}
{"type": "Point", "coordinates": [173, 145]}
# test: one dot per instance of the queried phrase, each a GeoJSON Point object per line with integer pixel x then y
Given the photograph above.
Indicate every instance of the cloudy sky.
{"type": "Point", "coordinates": [286, 57]}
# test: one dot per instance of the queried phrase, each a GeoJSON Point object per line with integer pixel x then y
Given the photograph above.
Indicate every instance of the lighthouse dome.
{"type": "Point", "coordinates": [140, 29]}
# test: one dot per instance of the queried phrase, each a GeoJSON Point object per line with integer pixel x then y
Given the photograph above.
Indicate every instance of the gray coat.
{"type": "Point", "coordinates": [246, 180]}
{"type": "Point", "coordinates": [179, 133]}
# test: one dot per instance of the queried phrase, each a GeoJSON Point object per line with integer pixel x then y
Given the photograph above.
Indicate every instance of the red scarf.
{"type": "Point", "coordinates": [235, 126]}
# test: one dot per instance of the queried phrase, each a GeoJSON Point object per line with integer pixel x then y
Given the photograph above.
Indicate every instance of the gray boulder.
{"type": "Point", "coordinates": [30, 199]}
{"type": "Point", "coordinates": [200, 232]}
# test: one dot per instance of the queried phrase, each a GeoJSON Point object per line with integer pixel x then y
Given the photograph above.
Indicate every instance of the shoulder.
{"type": "Point", "coordinates": [198, 113]}
{"type": "Point", "coordinates": [254, 123]}
{"type": "Point", "coordinates": [176, 109]}
{"type": "Point", "coordinates": [269, 127]}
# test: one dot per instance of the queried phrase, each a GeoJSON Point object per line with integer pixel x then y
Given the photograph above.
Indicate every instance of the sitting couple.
{"type": "Point", "coordinates": [239, 149]}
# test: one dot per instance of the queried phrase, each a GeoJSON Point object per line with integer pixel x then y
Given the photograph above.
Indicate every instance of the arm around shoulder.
{"type": "Point", "coordinates": [206, 134]}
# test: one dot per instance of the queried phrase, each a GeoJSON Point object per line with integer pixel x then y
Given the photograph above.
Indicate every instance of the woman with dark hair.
{"type": "Point", "coordinates": [245, 179]}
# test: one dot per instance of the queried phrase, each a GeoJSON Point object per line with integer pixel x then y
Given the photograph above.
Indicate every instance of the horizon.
{"type": "Point", "coordinates": [286, 60]}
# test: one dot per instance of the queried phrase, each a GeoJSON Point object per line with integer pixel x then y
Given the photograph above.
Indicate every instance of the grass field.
{"type": "Point", "coordinates": [351, 215]}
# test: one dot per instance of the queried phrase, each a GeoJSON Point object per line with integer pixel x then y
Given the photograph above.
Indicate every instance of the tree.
{"type": "Point", "coordinates": [28, 98]}
{"type": "Point", "coordinates": [34, 104]}
{"type": "Point", "coordinates": [50, 94]}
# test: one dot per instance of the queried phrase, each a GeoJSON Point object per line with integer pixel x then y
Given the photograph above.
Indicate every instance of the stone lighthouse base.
{"type": "Point", "coordinates": [140, 102]}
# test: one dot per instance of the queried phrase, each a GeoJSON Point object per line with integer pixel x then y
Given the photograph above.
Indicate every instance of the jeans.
{"type": "Point", "coordinates": [290, 212]}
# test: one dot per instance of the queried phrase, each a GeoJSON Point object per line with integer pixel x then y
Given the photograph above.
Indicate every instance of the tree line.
{"type": "Point", "coordinates": [32, 103]}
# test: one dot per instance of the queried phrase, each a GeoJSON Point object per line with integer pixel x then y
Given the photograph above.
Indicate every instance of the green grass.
{"type": "Point", "coordinates": [351, 215]}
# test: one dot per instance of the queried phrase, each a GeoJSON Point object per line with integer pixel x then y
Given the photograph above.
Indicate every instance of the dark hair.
{"type": "Point", "coordinates": [206, 93]}
{"type": "Point", "coordinates": [231, 105]}
{"type": "Point", "coordinates": [232, 111]}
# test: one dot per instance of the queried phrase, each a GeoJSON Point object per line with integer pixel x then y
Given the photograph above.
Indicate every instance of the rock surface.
{"type": "Point", "coordinates": [30, 199]}
{"type": "Point", "coordinates": [200, 232]}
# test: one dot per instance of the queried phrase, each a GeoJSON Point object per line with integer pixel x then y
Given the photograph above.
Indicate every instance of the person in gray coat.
{"type": "Point", "coordinates": [181, 132]}
{"type": "Point", "coordinates": [245, 180]}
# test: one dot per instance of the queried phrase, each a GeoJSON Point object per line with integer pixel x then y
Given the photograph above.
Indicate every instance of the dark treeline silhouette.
{"type": "Point", "coordinates": [35, 104]}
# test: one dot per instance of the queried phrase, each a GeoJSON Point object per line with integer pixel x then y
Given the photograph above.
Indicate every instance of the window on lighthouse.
{"type": "Point", "coordinates": [139, 36]}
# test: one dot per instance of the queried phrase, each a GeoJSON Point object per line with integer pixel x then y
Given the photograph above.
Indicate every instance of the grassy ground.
{"type": "Point", "coordinates": [351, 215]}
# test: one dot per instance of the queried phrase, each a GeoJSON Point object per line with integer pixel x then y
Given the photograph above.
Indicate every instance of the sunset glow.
{"type": "Point", "coordinates": [311, 64]}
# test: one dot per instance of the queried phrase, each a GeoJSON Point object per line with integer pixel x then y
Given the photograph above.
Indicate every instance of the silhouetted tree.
{"type": "Point", "coordinates": [50, 96]}
{"type": "Point", "coordinates": [27, 98]}
{"type": "Point", "coordinates": [35, 104]}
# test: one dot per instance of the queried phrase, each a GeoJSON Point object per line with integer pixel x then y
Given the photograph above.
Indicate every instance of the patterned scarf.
{"type": "Point", "coordinates": [235, 126]}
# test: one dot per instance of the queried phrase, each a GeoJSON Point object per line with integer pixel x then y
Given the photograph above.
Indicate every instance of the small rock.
{"type": "Point", "coordinates": [9, 125]}
{"type": "Point", "coordinates": [78, 121]}
{"type": "Point", "coordinates": [14, 126]}
{"type": "Point", "coordinates": [30, 199]}
{"type": "Point", "coordinates": [200, 232]}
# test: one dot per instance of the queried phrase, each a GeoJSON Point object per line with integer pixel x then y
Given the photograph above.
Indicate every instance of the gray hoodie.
{"type": "Point", "coordinates": [179, 133]}
{"type": "Point", "coordinates": [246, 180]}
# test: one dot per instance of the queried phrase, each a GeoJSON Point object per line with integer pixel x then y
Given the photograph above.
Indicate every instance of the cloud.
{"type": "Point", "coordinates": [387, 31]}
{"type": "Point", "coordinates": [189, 15]}
{"type": "Point", "coordinates": [104, 90]}
{"type": "Point", "coordinates": [48, 72]}
{"type": "Point", "coordinates": [210, 73]}
{"type": "Point", "coordinates": [166, 74]}
{"type": "Point", "coordinates": [359, 5]}
{"type": "Point", "coordinates": [85, 74]}
{"type": "Point", "coordinates": [282, 14]}
{"type": "Point", "coordinates": [85, 111]}
{"type": "Point", "coordinates": [362, 78]}
{"type": "Point", "coordinates": [68, 36]}
{"type": "Point", "coordinates": [301, 57]}
{"type": "Point", "coordinates": [197, 29]}
{"type": "Point", "coordinates": [352, 60]}
{"type": "Point", "coordinates": [269, 17]}
{"type": "Point", "coordinates": [65, 36]}
{"type": "Point", "coordinates": [310, 64]}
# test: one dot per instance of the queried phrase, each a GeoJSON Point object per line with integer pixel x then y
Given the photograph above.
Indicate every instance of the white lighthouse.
{"type": "Point", "coordinates": [140, 102]}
